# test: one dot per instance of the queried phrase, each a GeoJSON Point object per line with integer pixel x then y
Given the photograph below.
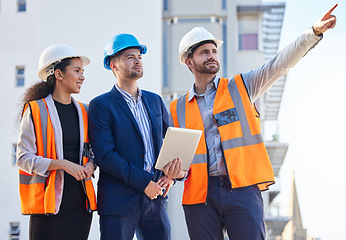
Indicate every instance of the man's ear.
{"type": "Point", "coordinates": [113, 66]}
{"type": "Point", "coordinates": [58, 74]}
{"type": "Point", "coordinates": [188, 62]}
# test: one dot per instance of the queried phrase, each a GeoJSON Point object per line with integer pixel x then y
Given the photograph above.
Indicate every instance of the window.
{"type": "Point", "coordinates": [14, 231]}
{"type": "Point", "coordinates": [248, 26]}
{"type": "Point", "coordinates": [224, 4]}
{"type": "Point", "coordinates": [14, 151]}
{"type": "Point", "coordinates": [20, 76]}
{"type": "Point", "coordinates": [21, 5]}
{"type": "Point", "coordinates": [165, 5]}
{"type": "Point", "coordinates": [248, 41]}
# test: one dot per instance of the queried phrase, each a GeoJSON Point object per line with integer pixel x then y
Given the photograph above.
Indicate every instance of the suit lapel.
{"type": "Point", "coordinates": [123, 104]}
{"type": "Point", "coordinates": [152, 120]}
{"type": "Point", "coordinates": [146, 102]}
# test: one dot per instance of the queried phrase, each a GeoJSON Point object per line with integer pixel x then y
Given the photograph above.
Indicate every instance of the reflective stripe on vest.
{"type": "Point", "coordinates": [248, 138]}
{"type": "Point", "coordinates": [37, 193]}
{"type": "Point", "coordinates": [87, 184]}
{"type": "Point", "coordinates": [237, 121]}
{"type": "Point", "coordinates": [31, 179]}
{"type": "Point", "coordinates": [181, 102]}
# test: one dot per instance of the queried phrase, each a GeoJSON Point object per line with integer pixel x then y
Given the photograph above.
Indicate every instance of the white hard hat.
{"type": "Point", "coordinates": [54, 54]}
{"type": "Point", "coordinates": [195, 36]}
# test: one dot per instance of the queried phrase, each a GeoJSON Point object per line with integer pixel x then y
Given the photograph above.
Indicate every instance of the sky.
{"type": "Point", "coordinates": [312, 120]}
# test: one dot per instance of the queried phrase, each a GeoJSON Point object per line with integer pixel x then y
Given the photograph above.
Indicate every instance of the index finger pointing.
{"type": "Point", "coordinates": [332, 9]}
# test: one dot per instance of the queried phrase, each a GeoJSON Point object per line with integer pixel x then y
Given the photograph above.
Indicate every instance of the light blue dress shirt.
{"type": "Point", "coordinates": [140, 113]}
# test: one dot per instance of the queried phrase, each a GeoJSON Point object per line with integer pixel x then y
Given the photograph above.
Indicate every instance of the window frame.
{"type": "Point", "coordinates": [248, 29]}
{"type": "Point", "coordinates": [14, 153]}
{"type": "Point", "coordinates": [20, 77]}
{"type": "Point", "coordinates": [21, 5]}
{"type": "Point", "coordinates": [14, 230]}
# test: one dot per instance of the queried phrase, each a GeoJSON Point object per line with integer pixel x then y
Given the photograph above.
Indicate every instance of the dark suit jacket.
{"type": "Point", "coordinates": [119, 149]}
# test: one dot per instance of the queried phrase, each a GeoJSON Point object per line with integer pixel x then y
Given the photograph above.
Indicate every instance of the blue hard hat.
{"type": "Point", "coordinates": [120, 42]}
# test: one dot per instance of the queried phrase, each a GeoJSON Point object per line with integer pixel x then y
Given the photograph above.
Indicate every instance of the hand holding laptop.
{"type": "Point", "coordinates": [173, 169]}
{"type": "Point", "coordinates": [177, 151]}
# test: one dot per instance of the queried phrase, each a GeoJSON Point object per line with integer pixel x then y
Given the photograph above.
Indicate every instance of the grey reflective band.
{"type": "Point", "coordinates": [26, 179]}
{"type": "Point", "coordinates": [240, 142]}
{"type": "Point", "coordinates": [248, 138]}
{"type": "Point", "coordinates": [86, 106]}
{"type": "Point", "coordinates": [32, 179]}
{"type": "Point", "coordinates": [181, 111]}
{"type": "Point", "coordinates": [200, 158]}
{"type": "Point", "coordinates": [44, 123]}
{"type": "Point", "coordinates": [181, 103]}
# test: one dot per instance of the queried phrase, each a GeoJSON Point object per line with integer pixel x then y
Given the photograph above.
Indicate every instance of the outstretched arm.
{"type": "Point", "coordinates": [262, 79]}
{"type": "Point", "coordinates": [327, 21]}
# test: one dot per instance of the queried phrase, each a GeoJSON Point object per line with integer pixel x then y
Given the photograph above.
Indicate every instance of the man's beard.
{"type": "Point", "coordinates": [136, 74]}
{"type": "Point", "coordinates": [204, 69]}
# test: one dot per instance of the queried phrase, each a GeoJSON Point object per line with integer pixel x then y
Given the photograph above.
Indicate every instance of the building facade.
{"type": "Point", "coordinates": [250, 30]}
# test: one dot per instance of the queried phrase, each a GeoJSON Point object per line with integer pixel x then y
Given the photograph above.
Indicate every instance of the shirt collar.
{"type": "Point", "coordinates": [127, 96]}
{"type": "Point", "coordinates": [192, 92]}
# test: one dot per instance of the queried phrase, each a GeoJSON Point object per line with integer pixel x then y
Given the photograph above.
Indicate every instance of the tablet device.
{"type": "Point", "coordinates": [179, 142]}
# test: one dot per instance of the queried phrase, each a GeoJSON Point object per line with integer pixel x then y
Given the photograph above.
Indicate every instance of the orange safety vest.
{"type": "Point", "coordinates": [238, 123]}
{"type": "Point", "coordinates": [38, 194]}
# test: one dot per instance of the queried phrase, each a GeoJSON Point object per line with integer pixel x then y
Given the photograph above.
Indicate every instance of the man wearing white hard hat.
{"type": "Point", "coordinates": [231, 166]}
{"type": "Point", "coordinates": [126, 127]}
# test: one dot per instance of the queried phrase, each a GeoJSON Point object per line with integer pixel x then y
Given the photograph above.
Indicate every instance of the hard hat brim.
{"type": "Point", "coordinates": [142, 50]}
{"type": "Point", "coordinates": [42, 72]}
{"type": "Point", "coordinates": [183, 55]}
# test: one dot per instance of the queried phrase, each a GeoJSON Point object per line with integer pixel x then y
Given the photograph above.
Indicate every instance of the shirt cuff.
{"type": "Point", "coordinates": [183, 178]}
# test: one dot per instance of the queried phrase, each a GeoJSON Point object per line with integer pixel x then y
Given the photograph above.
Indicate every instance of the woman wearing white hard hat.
{"type": "Point", "coordinates": [53, 152]}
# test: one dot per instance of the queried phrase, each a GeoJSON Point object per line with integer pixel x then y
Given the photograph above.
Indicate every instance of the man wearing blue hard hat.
{"type": "Point", "coordinates": [126, 128]}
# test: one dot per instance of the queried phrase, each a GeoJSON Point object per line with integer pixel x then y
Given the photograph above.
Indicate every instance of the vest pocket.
{"type": "Point", "coordinates": [226, 117]}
